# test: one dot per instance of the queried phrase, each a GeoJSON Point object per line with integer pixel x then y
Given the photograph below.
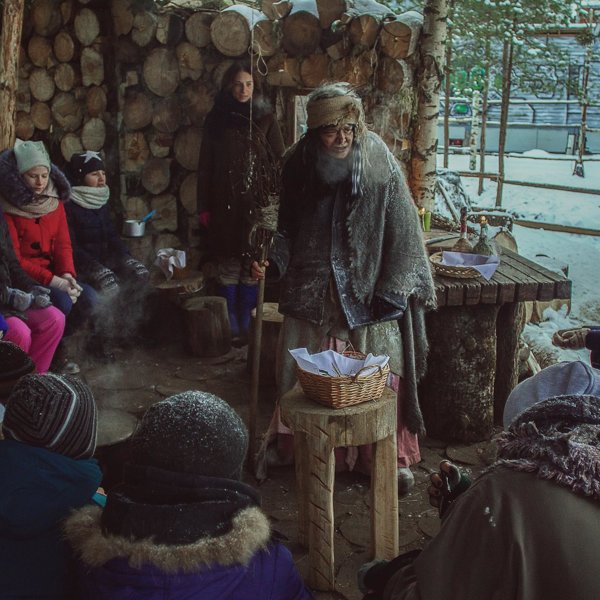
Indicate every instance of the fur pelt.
{"type": "Point", "coordinates": [250, 533]}
{"type": "Point", "coordinates": [14, 189]}
{"type": "Point", "coordinates": [557, 439]}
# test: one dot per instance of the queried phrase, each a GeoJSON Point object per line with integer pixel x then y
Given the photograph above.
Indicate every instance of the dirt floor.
{"type": "Point", "coordinates": [142, 375]}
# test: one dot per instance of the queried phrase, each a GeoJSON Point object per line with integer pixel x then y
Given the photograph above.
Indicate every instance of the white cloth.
{"type": "Point", "coordinates": [486, 265]}
{"type": "Point", "coordinates": [168, 259]}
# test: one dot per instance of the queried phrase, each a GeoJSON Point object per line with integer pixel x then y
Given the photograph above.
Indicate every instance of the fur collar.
{"type": "Point", "coordinates": [12, 185]}
{"type": "Point", "coordinates": [250, 533]}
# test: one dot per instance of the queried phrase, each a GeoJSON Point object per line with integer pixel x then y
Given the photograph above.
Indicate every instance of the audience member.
{"type": "Point", "coordinates": [46, 471]}
{"type": "Point", "coordinates": [26, 315]}
{"type": "Point", "coordinates": [529, 527]}
{"type": "Point", "coordinates": [182, 524]}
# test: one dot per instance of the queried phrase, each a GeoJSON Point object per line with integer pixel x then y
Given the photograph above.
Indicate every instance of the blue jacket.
{"type": "Point", "coordinates": [95, 240]}
{"type": "Point", "coordinates": [240, 565]}
{"type": "Point", "coordinates": [38, 490]}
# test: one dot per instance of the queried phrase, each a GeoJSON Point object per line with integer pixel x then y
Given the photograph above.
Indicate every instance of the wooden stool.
{"type": "Point", "coordinates": [207, 323]}
{"type": "Point", "coordinates": [317, 431]}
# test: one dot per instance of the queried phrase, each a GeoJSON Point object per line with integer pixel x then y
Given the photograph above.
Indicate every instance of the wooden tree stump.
{"type": "Point", "coordinates": [69, 145]}
{"type": "Point", "coordinates": [330, 11]}
{"type": "Point", "coordinates": [187, 148]}
{"type": "Point", "coordinates": [191, 64]}
{"type": "Point", "coordinates": [45, 18]}
{"type": "Point", "coordinates": [207, 323]}
{"type": "Point", "coordinates": [66, 10]}
{"type": "Point", "coordinates": [92, 67]}
{"type": "Point", "coordinates": [314, 70]}
{"type": "Point", "coordinates": [167, 115]}
{"type": "Point", "coordinates": [276, 9]}
{"type": "Point", "coordinates": [399, 36]}
{"type": "Point", "coordinates": [39, 50]}
{"type": "Point", "coordinates": [197, 29]}
{"type": "Point", "coordinates": [67, 111]}
{"type": "Point", "coordinates": [271, 325]}
{"type": "Point", "coordinates": [265, 38]}
{"type": "Point", "coordinates": [301, 29]}
{"type": "Point", "coordinates": [122, 16]}
{"type": "Point", "coordinates": [87, 26]}
{"type": "Point", "coordinates": [137, 110]}
{"type": "Point", "coordinates": [166, 212]}
{"type": "Point", "coordinates": [24, 126]}
{"type": "Point", "coordinates": [231, 29]}
{"type": "Point", "coordinates": [41, 116]}
{"type": "Point", "coordinates": [64, 47]}
{"type": "Point", "coordinates": [393, 75]}
{"type": "Point", "coordinates": [161, 72]}
{"type": "Point", "coordinates": [188, 193]}
{"type": "Point", "coordinates": [356, 70]}
{"type": "Point", "coordinates": [219, 71]}
{"type": "Point", "coordinates": [284, 72]}
{"type": "Point", "coordinates": [156, 175]}
{"type": "Point", "coordinates": [160, 143]}
{"type": "Point", "coordinates": [169, 29]}
{"type": "Point", "coordinates": [65, 77]}
{"type": "Point", "coordinates": [95, 101]}
{"type": "Point", "coordinates": [41, 85]}
{"type": "Point", "coordinates": [457, 392]}
{"type": "Point", "coordinates": [197, 100]}
{"type": "Point", "coordinates": [136, 152]}
{"type": "Point", "coordinates": [93, 134]}
{"type": "Point", "coordinates": [144, 28]}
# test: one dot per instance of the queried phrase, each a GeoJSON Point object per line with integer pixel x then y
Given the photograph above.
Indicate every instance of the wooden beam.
{"type": "Point", "coordinates": [556, 227]}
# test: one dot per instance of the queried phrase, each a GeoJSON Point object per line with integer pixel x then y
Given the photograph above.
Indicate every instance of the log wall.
{"type": "Point", "coordinates": [137, 83]}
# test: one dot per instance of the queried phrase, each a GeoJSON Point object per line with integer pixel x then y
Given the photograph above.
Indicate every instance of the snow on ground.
{"type": "Point", "coordinates": [580, 252]}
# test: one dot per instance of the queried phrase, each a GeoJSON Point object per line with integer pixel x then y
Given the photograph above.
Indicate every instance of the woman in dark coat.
{"type": "Point", "coordinates": [241, 141]}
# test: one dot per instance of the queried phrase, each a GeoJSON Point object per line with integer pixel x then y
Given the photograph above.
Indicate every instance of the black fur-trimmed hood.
{"type": "Point", "coordinates": [13, 187]}
{"type": "Point", "coordinates": [250, 533]}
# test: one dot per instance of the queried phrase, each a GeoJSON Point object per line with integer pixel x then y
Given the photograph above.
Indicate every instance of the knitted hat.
{"type": "Point", "coordinates": [56, 412]}
{"type": "Point", "coordinates": [83, 163]}
{"type": "Point", "coordinates": [192, 432]}
{"type": "Point", "coordinates": [30, 154]}
{"type": "Point", "coordinates": [14, 362]}
{"type": "Point", "coordinates": [574, 378]}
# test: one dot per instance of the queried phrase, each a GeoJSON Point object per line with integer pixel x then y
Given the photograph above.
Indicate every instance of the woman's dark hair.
{"type": "Point", "coordinates": [233, 70]}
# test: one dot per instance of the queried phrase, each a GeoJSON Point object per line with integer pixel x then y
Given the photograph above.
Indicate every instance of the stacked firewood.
{"type": "Point", "coordinates": [138, 83]}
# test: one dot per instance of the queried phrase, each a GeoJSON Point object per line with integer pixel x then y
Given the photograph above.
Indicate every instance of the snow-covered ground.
{"type": "Point", "coordinates": [580, 252]}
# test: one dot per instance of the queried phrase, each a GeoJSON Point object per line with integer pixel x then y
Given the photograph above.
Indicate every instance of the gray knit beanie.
{"type": "Point", "coordinates": [192, 432]}
{"type": "Point", "coordinates": [56, 412]}
{"type": "Point", "coordinates": [31, 154]}
{"type": "Point", "coordinates": [574, 378]}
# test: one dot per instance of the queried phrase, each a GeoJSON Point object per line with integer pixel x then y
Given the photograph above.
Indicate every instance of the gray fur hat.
{"type": "Point", "coordinates": [574, 378]}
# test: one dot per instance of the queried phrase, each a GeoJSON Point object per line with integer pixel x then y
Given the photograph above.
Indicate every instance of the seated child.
{"type": "Point", "coordinates": [183, 525]}
{"type": "Point", "coordinates": [46, 471]}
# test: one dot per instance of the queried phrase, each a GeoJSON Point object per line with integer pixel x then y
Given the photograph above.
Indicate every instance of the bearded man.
{"type": "Point", "coordinates": [354, 266]}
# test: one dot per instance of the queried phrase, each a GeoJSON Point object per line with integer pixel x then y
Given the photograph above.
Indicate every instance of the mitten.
{"type": "Point", "coordinates": [18, 299]}
{"type": "Point", "coordinates": [41, 296]}
{"type": "Point", "coordinates": [137, 268]}
{"type": "Point", "coordinates": [3, 326]}
{"type": "Point", "coordinates": [106, 282]}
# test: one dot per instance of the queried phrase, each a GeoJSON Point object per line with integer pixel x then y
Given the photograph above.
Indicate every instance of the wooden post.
{"type": "Point", "coordinates": [484, 109]}
{"type": "Point", "coordinates": [474, 133]}
{"type": "Point", "coordinates": [447, 84]}
{"type": "Point", "coordinates": [10, 38]}
{"type": "Point", "coordinates": [429, 83]}
{"type": "Point", "coordinates": [507, 60]}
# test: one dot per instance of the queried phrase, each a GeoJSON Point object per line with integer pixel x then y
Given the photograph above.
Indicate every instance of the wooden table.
{"type": "Point", "coordinates": [474, 338]}
{"type": "Point", "coordinates": [317, 431]}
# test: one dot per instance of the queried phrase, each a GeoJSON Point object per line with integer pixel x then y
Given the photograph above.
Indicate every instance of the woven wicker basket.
{"type": "Point", "coordinates": [452, 271]}
{"type": "Point", "coordinates": [345, 390]}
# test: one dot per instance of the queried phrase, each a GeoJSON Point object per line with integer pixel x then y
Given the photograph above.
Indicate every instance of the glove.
{"type": "Point", "coordinates": [204, 219]}
{"type": "Point", "coordinates": [106, 282]}
{"type": "Point", "coordinates": [137, 268]}
{"type": "Point", "coordinates": [18, 299]}
{"type": "Point", "coordinates": [41, 296]}
{"type": "Point", "coordinates": [3, 326]}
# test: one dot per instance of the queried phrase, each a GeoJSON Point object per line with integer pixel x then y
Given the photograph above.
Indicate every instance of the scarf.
{"type": "Point", "coordinates": [42, 204]}
{"type": "Point", "coordinates": [557, 439]}
{"type": "Point", "coordinates": [90, 197]}
{"type": "Point", "coordinates": [174, 508]}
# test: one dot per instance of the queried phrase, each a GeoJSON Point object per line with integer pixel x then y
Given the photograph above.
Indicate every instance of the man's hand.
{"type": "Point", "coordinates": [257, 271]}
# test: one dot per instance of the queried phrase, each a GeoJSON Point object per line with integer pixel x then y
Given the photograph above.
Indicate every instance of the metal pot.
{"type": "Point", "coordinates": [134, 228]}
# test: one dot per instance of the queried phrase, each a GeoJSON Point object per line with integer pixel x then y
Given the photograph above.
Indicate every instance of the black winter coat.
{"type": "Point", "coordinates": [95, 240]}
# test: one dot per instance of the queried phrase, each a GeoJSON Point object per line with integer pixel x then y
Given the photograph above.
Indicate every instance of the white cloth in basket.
{"type": "Point", "coordinates": [335, 364]}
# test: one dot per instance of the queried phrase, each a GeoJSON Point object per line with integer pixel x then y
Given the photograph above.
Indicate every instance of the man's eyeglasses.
{"type": "Point", "coordinates": [346, 130]}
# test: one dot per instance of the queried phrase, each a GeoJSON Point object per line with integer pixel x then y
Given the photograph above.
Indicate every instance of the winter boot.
{"type": "Point", "coordinates": [246, 302]}
{"type": "Point", "coordinates": [230, 293]}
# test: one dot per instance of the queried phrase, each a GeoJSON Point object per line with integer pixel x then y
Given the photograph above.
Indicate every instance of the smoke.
{"type": "Point", "coordinates": [332, 170]}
